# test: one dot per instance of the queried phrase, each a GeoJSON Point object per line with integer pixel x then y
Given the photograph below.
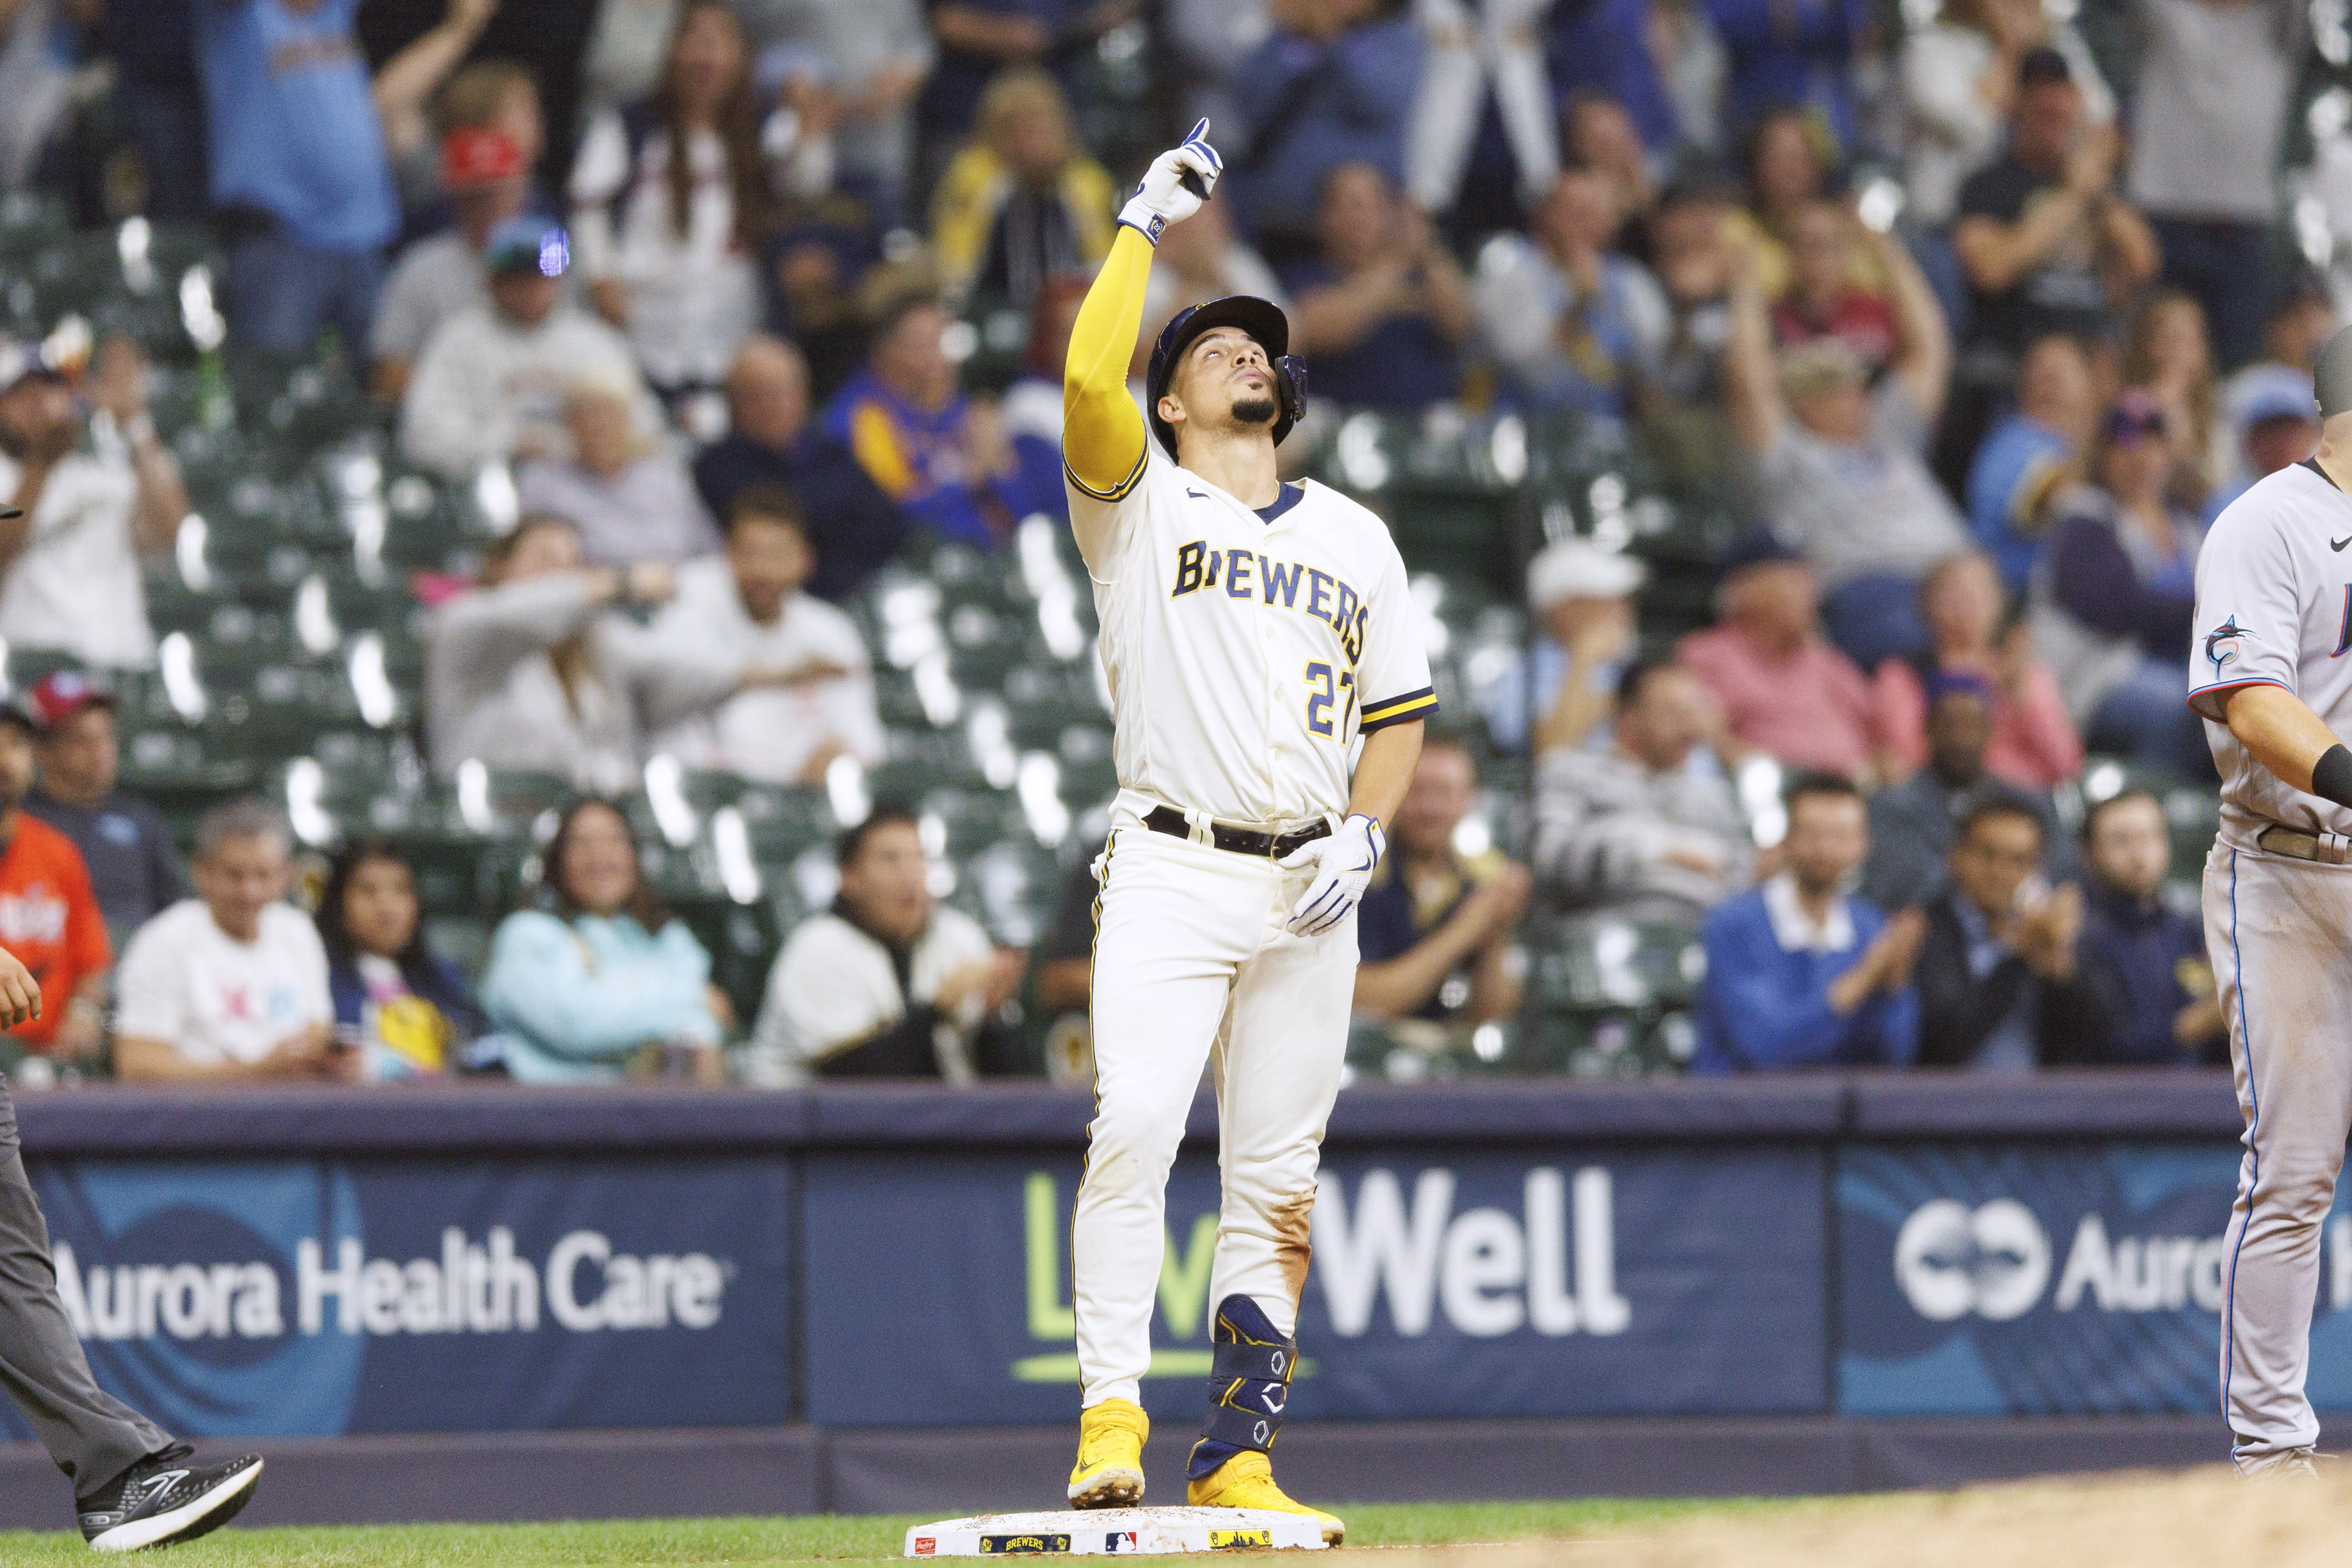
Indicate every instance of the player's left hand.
{"type": "Point", "coordinates": [1343, 865]}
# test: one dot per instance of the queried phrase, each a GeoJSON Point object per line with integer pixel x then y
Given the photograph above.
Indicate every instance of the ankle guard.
{"type": "Point", "coordinates": [1249, 1383]}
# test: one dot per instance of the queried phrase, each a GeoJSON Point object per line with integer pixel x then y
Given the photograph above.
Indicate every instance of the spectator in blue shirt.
{"type": "Point", "coordinates": [946, 460]}
{"type": "Point", "coordinates": [1790, 53]}
{"type": "Point", "coordinates": [2148, 960]}
{"type": "Point", "coordinates": [300, 175]}
{"type": "Point", "coordinates": [1800, 974]}
{"type": "Point", "coordinates": [2031, 457]}
{"type": "Point", "coordinates": [1334, 84]}
{"type": "Point", "coordinates": [1380, 312]}
{"type": "Point", "coordinates": [852, 524]}
{"type": "Point", "coordinates": [1434, 929]}
{"type": "Point", "coordinates": [1604, 47]}
{"type": "Point", "coordinates": [606, 983]}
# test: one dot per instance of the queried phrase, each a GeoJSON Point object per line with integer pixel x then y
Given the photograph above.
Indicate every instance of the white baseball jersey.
{"type": "Point", "coordinates": [1247, 650]}
{"type": "Point", "coordinates": [2274, 607]}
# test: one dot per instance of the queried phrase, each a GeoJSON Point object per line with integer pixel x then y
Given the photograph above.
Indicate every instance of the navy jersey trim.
{"type": "Point", "coordinates": [1402, 709]}
{"type": "Point", "coordinates": [1286, 497]}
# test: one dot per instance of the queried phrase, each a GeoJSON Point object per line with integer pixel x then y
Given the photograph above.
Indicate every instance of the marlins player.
{"type": "Point", "coordinates": [2271, 670]}
{"type": "Point", "coordinates": [1269, 689]}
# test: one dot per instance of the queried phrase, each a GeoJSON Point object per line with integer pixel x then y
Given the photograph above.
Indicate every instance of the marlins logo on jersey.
{"type": "Point", "coordinates": [1261, 643]}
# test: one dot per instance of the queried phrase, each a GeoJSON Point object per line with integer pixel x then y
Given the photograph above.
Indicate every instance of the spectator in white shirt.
{"type": "Point", "coordinates": [630, 497]}
{"type": "Point", "coordinates": [440, 276]}
{"type": "Point", "coordinates": [528, 672]}
{"type": "Point", "coordinates": [98, 494]}
{"type": "Point", "coordinates": [806, 685]}
{"type": "Point", "coordinates": [230, 986]}
{"type": "Point", "coordinates": [887, 983]}
{"type": "Point", "coordinates": [491, 386]}
{"type": "Point", "coordinates": [668, 246]}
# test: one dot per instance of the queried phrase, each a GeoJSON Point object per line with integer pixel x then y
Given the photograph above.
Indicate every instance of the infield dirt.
{"type": "Point", "coordinates": [2180, 1519]}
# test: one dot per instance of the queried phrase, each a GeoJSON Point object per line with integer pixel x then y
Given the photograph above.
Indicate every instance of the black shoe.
{"type": "Point", "coordinates": [163, 1499]}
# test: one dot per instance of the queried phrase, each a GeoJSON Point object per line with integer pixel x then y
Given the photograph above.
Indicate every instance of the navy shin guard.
{"type": "Point", "coordinates": [1249, 1383]}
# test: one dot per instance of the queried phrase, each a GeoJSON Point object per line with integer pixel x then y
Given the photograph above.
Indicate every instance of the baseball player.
{"type": "Point", "coordinates": [1268, 692]}
{"type": "Point", "coordinates": [2269, 671]}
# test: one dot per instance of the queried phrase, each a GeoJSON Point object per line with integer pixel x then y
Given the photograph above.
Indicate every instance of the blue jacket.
{"type": "Point", "coordinates": [577, 999]}
{"type": "Point", "coordinates": [1318, 105]}
{"type": "Point", "coordinates": [1763, 1007]}
{"type": "Point", "coordinates": [2011, 483]}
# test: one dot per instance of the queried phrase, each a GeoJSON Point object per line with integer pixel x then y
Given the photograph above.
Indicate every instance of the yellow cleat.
{"type": "Point", "coordinates": [1246, 1480]}
{"type": "Point", "coordinates": [1110, 1472]}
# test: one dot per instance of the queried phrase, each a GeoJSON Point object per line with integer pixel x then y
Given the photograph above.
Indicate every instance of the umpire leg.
{"type": "Point", "coordinates": [92, 1435]}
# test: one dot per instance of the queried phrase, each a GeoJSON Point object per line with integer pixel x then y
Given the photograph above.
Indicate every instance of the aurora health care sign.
{"type": "Point", "coordinates": [314, 1297]}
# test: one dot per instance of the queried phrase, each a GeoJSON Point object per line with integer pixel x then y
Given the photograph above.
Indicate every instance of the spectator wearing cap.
{"type": "Point", "coordinates": [2148, 960]}
{"type": "Point", "coordinates": [1633, 829]}
{"type": "Point", "coordinates": [487, 182]}
{"type": "Point", "coordinates": [853, 527]}
{"type": "Point", "coordinates": [813, 698]}
{"type": "Point", "coordinates": [48, 920]}
{"type": "Point", "coordinates": [672, 201]}
{"type": "Point", "coordinates": [1802, 972]}
{"type": "Point", "coordinates": [1021, 204]}
{"type": "Point", "coordinates": [944, 459]}
{"type": "Point", "coordinates": [1912, 824]}
{"type": "Point", "coordinates": [99, 495]}
{"type": "Point", "coordinates": [1572, 324]}
{"type": "Point", "coordinates": [1561, 691]}
{"type": "Point", "coordinates": [1958, 74]}
{"type": "Point", "coordinates": [1839, 466]}
{"type": "Point", "coordinates": [2033, 455]}
{"type": "Point", "coordinates": [491, 386]}
{"type": "Point", "coordinates": [2271, 417]}
{"type": "Point", "coordinates": [301, 176]}
{"type": "Point", "coordinates": [1976, 629]}
{"type": "Point", "coordinates": [2112, 609]}
{"type": "Point", "coordinates": [134, 868]}
{"type": "Point", "coordinates": [1382, 310]}
{"type": "Point", "coordinates": [2215, 78]}
{"type": "Point", "coordinates": [2045, 246]}
{"type": "Point", "coordinates": [630, 497]}
{"type": "Point", "coordinates": [1783, 690]}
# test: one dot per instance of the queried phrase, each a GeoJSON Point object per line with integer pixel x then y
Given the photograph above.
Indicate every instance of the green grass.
{"type": "Point", "coordinates": [770, 1542]}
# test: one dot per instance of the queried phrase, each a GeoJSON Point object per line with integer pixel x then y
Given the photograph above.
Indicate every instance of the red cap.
{"type": "Point", "coordinates": [61, 693]}
{"type": "Point", "coordinates": [477, 155]}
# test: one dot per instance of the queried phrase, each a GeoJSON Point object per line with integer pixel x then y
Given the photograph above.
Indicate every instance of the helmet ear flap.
{"type": "Point", "coordinates": [1290, 387]}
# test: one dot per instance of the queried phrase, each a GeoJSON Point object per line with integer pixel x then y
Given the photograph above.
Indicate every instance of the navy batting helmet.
{"type": "Point", "coordinates": [1264, 322]}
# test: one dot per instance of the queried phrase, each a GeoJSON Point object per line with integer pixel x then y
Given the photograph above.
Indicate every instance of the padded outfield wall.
{"type": "Point", "coordinates": [323, 1262]}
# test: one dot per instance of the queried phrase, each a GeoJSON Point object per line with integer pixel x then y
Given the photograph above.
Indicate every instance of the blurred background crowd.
{"type": "Point", "coordinates": [546, 554]}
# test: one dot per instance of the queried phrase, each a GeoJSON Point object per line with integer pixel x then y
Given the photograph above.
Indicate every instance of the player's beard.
{"type": "Point", "coordinates": [1254, 411]}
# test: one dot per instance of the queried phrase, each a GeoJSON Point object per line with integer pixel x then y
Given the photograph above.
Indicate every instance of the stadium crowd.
{"type": "Point", "coordinates": [1970, 316]}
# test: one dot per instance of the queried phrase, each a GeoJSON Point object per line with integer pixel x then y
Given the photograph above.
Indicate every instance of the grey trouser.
{"type": "Point", "coordinates": [92, 1435]}
{"type": "Point", "coordinates": [2279, 932]}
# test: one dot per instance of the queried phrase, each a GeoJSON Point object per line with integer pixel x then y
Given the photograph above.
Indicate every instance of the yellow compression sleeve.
{"type": "Point", "coordinates": [1103, 435]}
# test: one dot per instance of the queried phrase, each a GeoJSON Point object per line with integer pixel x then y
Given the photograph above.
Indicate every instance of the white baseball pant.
{"type": "Point", "coordinates": [1192, 962]}
{"type": "Point", "coordinates": [2279, 932]}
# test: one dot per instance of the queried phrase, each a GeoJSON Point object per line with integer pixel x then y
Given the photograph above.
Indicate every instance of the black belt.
{"type": "Point", "coordinates": [2281, 839]}
{"type": "Point", "coordinates": [1240, 840]}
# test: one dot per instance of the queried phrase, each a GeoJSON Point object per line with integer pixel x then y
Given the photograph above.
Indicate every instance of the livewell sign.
{"type": "Point", "coordinates": [1543, 1283]}
{"type": "Point", "coordinates": [333, 1297]}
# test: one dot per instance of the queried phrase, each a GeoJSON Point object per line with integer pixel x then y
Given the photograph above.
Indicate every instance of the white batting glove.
{"type": "Point", "coordinates": [1344, 863]}
{"type": "Point", "coordinates": [1161, 197]}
